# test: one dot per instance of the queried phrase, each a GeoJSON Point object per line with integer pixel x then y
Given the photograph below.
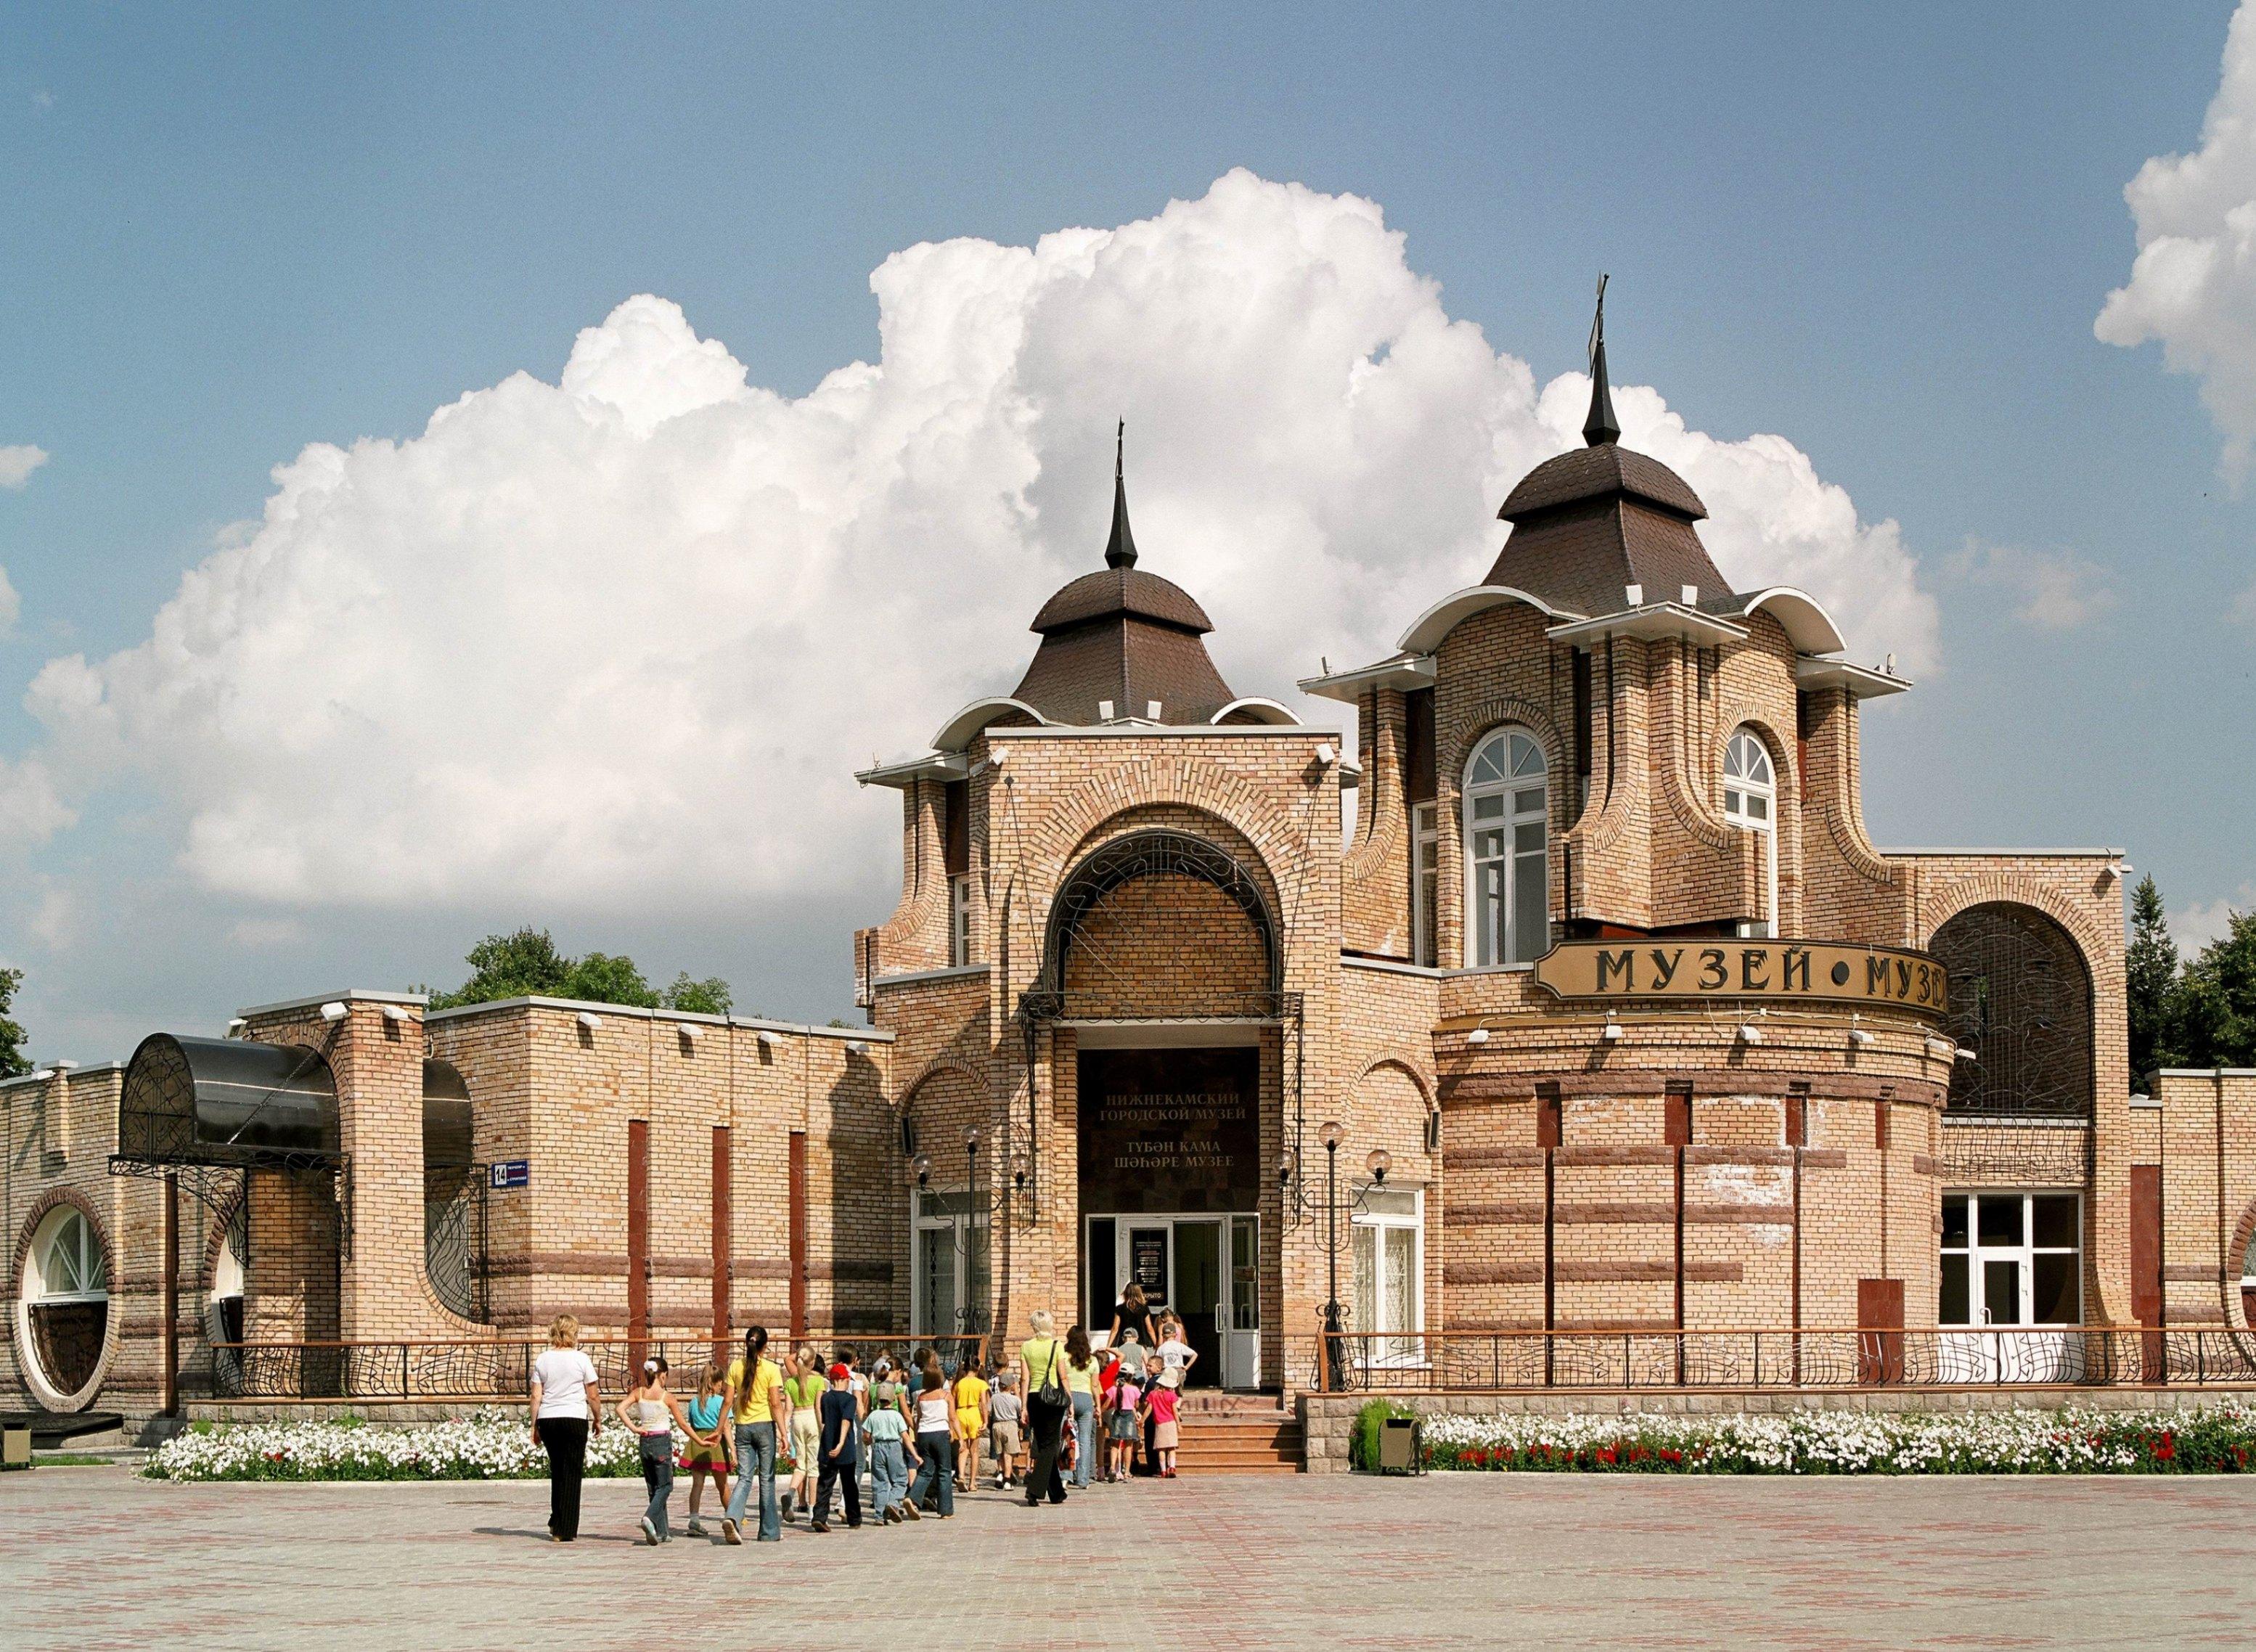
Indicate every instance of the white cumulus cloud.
{"type": "Point", "coordinates": [17, 463]}
{"type": "Point", "coordinates": [2195, 926]}
{"type": "Point", "coordinates": [2057, 590]}
{"type": "Point", "coordinates": [2193, 284]}
{"type": "Point", "coordinates": [625, 635]}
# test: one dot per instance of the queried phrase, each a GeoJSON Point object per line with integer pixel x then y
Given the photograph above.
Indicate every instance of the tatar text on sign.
{"type": "Point", "coordinates": [1891, 975]}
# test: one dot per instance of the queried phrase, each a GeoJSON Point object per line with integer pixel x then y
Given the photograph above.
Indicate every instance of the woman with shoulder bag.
{"type": "Point", "coordinates": [1042, 1357]}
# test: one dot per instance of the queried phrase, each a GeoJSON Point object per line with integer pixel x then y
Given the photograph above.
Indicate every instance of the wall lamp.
{"type": "Point", "coordinates": [1478, 1035]}
{"type": "Point", "coordinates": [1750, 1034]}
{"type": "Point", "coordinates": [1378, 1161]}
{"type": "Point", "coordinates": [767, 1039]}
{"type": "Point", "coordinates": [334, 1011]}
{"type": "Point", "coordinates": [1941, 1048]}
{"type": "Point", "coordinates": [1327, 754]}
{"type": "Point", "coordinates": [589, 1020]}
{"type": "Point", "coordinates": [690, 1034]}
{"type": "Point", "coordinates": [237, 1025]}
{"type": "Point", "coordinates": [1612, 1032]}
{"type": "Point", "coordinates": [1859, 1039]}
{"type": "Point", "coordinates": [395, 1012]}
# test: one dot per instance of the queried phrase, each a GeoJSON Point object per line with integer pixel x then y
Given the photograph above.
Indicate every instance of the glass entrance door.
{"type": "Point", "coordinates": [1203, 1269]}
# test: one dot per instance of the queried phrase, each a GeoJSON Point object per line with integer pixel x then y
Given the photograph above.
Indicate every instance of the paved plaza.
{"type": "Point", "coordinates": [95, 1558]}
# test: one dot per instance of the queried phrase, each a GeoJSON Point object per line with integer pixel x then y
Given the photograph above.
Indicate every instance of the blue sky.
{"type": "Point", "coordinates": [1882, 235]}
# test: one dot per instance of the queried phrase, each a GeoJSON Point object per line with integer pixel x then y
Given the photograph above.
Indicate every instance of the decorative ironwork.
{"type": "Point", "coordinates": [455, 1239]}
{"type": "Point", "coordinates": [2020, 1010]}
{"type": "Point", "coordinates": [2011, 1152]}
{"type": "Point", "coordinates": [1152, 854]}
{"type": "Point", "coordinates": [1948, 1357]}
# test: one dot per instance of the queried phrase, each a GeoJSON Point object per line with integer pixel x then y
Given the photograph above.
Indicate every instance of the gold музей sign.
{"type": "Point", "coordinates": [1664, 969]}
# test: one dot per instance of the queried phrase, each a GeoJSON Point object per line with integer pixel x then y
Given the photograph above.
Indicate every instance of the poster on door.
{"type": "Point", "coordinates": [1147, 1263]}
{"type": "Point", "coordinates": [1170, 1129]}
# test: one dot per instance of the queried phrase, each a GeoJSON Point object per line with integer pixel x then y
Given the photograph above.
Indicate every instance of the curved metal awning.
{"type": "Point", "coordinates": [227, 1102]}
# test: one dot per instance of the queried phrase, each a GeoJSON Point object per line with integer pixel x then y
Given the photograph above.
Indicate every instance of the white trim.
{"type": "Point", "coordinates": [1161, 730]}
{"type": "Point", "coordinates": [1406, 671]}
{"type": "Point", "coordinates": [954, 971]}
{"type": "Point", "coordinates": [1275, 715]}
{"type": "Point", "coordinates": [351, 995]}
{"type": "Point", "coordinates": [2203, 1072]}
{"type": "Point", "coordinates": [1427, 631]}
{"type": "Point", "coordinates": [1745, 819]}
{"type": "Point", "coordinates": [1487, 969]}
{"type": "Point", "coordinates": [1861, 680]}
{"type": "Point", "coordinates": [957, 733]}
{"type": "Point", "coordinates": [1796, 611]}
{"type": "Point", "coordinates": [939, 765]}
{"type": "Point", "coordinates": [636, 1012]}
{"type": "Point", "coordinates": [1651, 622]}
{"type": "Point", "coordinates": [1390, 967]}
{"type": "Point", "coordinates": [49, 1076]}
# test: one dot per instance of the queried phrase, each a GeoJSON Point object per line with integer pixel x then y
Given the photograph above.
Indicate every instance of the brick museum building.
{"type": "Point", "coordinates": [1605, 1019]}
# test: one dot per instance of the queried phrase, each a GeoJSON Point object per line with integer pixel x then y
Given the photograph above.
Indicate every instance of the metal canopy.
{"type": "Point", "coordinates": [227, 1102]}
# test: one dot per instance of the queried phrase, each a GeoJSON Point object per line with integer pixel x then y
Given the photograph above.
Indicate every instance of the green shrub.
{"type": "Point", "coordinates": [1363, 1443]}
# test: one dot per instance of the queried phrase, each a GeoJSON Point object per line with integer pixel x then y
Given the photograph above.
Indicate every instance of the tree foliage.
{"type": "Point", "coordinates": [13, 1062]}
{"type": "Point", "coordinates": [526, 963]}
{"type": "Point", "coordinates": [2200, 1012]}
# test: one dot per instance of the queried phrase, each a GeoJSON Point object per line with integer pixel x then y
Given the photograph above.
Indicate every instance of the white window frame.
{"type": "Point", "coordinates": [2022, 1255]}
{"type": "Point", "coordinates": [40, 1289]}
{"type": "Point", "coordinates": [1751, 804]}
{"type": "Point", "coordinates": [1507, 951]}
{"type": "Point", "coordinates": [1407, 1347]}
{"type": "Point", "coordinates": [951, 1228]}
{"type": "Point", "coordinates": [1425, 883]}
{"type": "Point", "coordinates": [959, 920]}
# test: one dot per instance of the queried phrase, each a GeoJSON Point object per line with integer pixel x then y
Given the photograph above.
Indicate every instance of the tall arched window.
{"type": "Point", "coordinates": [1507, 909]}
{"type": "Point", "coordinates": [66, 1300]}
{"type": "Point", "coordinates": [1751, 800]}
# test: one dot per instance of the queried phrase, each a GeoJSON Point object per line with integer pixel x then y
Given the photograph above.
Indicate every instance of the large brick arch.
{"type": "Point", "coordinates": [1938, 906]}
{"type": "Point", "coordinates": [1282, 842]}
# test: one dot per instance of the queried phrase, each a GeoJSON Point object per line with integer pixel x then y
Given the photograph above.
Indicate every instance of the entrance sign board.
{"type": "Point", "coordinates": [1613, 971]}
{"type": "Point", "coordinates": [1175, 1130]}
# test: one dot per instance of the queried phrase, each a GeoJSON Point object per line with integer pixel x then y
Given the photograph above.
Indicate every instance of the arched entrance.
{"type": "Point", "coordinates": [1162, 974]}
{"type": "Point", "coordinates": [2021, 1007]}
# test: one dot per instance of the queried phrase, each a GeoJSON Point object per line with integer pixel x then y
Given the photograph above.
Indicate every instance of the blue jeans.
{"type": "Point", "coordinates": [756, 1454]}
{"type": "Point", "coordinates": [1084, 1433]}
{"type": "Point", "coordinates": [937, 1469]}
{"type": "Point", "coordinates": [889, 1475]}
{"type": "Point", "coordinates": [658, 1475]}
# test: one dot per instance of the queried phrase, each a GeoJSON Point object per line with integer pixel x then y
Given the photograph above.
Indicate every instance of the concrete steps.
{"type": "Point", "coordinates": [1238, 1434]}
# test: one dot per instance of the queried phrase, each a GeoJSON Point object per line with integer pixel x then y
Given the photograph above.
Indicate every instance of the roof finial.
{"type": "Point", "coordinates": [1600, 429]}
{"type": "Point", "coordinates": [1120, 550]}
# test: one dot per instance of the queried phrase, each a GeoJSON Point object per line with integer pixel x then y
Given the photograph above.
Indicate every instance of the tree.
{"type": "Point", "coordinates": [525, 964]}
{"type": "Point", "coordinates": [2216, 999]}
{"type": "Point", "coordinates": [708, 997]}
{"type": "Point", "coordinates": [2151, 976]}
{"type": "Point", "coordinates": [13, 1062]}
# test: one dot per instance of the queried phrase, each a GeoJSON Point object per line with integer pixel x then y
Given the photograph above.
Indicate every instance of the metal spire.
{"type": "Point", "coordinates": [1120, 550]}
{"type": "Point", "coordinates": [1600, 427]}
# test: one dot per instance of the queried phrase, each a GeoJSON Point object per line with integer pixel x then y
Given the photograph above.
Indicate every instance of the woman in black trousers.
{"type": "Point", "coordinates": [1042, 1357]}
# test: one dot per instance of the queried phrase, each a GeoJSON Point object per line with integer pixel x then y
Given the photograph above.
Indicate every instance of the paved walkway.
{"type": "Point", "coordinates": [95, 1558]}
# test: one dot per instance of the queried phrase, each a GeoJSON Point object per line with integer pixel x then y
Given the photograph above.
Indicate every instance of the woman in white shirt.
{"type": "Point", "coordinates": [566, 1408]}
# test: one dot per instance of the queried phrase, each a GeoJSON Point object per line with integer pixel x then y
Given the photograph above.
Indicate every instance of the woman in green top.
{"type": "Point", "coordinates": [1042, 1357]}
{"type": "Point", "coordinates": [805, 1386]}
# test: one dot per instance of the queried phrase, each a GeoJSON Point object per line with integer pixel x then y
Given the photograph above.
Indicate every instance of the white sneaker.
{"type": "Point", "coordinates": [649, 1532]}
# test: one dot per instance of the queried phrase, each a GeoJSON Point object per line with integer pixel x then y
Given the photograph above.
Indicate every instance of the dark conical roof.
{"type": "Point", "coordinates": [1123, 635]}
{"type": "Point", "coordinates": [1599, 519]}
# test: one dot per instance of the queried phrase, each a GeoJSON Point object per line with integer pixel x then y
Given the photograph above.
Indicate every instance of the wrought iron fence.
{"type": "Point", "coordinates": [1945, 1357]}
{"type": "Point", "coordinates": [491, 1369]}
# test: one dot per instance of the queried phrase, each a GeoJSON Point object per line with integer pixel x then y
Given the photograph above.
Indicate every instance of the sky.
{"type": "Point", "coordinates": [468, 468]}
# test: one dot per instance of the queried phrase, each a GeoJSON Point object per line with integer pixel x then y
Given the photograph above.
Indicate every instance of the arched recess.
{"type": "Point", "coordinates": [65, 1331]}
{"type": "Point", "coordinates": [948, 1087]}
{"type": "Point", "coordinates": [1097, 896]}
{"type": "Point", "coordinates": [2021, 1001]}
{"type": "Point", "coordinates": [1394, 1103]}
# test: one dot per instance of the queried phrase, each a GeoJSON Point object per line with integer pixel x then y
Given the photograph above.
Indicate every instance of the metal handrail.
{"type": "Point", "coordinates": [1782, 1359]}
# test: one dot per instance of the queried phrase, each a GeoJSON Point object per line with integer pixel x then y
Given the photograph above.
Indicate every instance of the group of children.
{"type": "Point", "coordinates": [893, 1422]}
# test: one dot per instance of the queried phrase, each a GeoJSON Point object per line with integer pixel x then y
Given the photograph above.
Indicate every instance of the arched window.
{"type": "Point", "coordinates": [1507, 903]}
{"type": "Point", "coordinates": [67, 1301]}
{"type": "Point", "coordinates": [1751, 800]}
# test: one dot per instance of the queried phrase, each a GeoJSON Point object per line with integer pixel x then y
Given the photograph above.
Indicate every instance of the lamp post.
{"type": "Point", "coordinates": [1330, 1135]}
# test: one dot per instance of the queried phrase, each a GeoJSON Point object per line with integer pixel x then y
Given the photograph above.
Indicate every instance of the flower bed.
{"type": "Point", "coordinates": [495, 1443]}
{"type": "Point", "coordinates": [2218, 1439]}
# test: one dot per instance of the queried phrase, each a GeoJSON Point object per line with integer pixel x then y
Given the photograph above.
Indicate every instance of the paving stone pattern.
{"type": "Point", "coordinates": [94, 1559]}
